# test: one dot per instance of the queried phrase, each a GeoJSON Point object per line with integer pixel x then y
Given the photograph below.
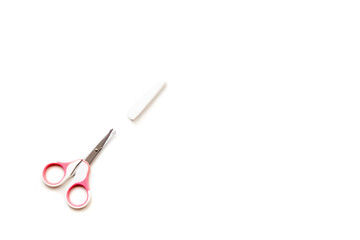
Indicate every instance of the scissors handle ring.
{"type": "Point", "coordinates": [67, 167]}
{"type": "Point", "coordinates": [81, 179]}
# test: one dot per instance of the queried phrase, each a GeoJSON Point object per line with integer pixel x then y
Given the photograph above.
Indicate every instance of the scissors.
{"type": "Point", "coordinates": [79, 169]}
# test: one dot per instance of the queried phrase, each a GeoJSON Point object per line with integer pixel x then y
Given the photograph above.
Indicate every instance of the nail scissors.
{"type": "Point", "coordinates": [80, 169]}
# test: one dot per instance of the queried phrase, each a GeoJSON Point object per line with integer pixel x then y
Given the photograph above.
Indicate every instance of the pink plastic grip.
{"type": "Point", "coordinates": [63, 165]}
{"type": "Point", "coordinates": [84, 166]}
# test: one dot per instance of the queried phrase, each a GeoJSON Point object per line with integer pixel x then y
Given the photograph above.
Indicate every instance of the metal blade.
{"type": "Point", "coordinates": [99, 147]}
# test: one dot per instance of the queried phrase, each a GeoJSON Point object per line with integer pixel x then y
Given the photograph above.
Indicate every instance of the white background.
{"type": "Point", "coordinates": [256, 136]}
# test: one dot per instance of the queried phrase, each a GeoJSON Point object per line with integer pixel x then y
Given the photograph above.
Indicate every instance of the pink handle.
{"type": "Point", "coordinates": [81, 179]}
{"type": "Point", "coordinates": [68, 167]}
{"type": "Point", "coordinates": [59, 164]}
